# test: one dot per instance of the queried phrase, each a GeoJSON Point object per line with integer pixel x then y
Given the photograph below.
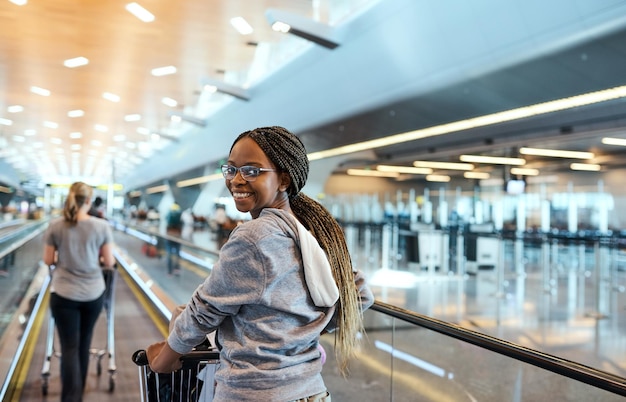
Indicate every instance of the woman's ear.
{"type": "Point", "coordinates": [285, 181]}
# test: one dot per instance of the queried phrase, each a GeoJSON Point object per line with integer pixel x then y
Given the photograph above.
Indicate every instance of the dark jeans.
{"type": "Point", "coordinates": [173, 256]}
{"type": "Point", "coordinates": [74, 322]}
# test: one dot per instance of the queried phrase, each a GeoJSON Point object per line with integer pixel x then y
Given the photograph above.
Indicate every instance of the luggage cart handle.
{"type": "Point", "coordinates": [140, 358]}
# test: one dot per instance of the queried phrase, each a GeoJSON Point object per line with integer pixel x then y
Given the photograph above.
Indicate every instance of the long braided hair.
{"type": "Point", "coordinates": [287, 152]}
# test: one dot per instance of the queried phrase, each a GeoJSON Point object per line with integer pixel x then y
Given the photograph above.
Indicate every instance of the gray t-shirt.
{"type": "Point", "coordinates": [78, 274]}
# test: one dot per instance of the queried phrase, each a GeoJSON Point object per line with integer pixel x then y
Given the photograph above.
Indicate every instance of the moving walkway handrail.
{"type": "Point", "coordinates": [9, 385]}
{"type": "Point", "coordinates": [151, 232]}
{"type": "Point", "coordinates": [594, 377]}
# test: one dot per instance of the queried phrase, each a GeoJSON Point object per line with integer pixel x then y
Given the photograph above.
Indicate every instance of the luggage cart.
{"type": "Point", "coordinates": [192, 383]}
{"type": "Point", "coordinates": [110, 278]}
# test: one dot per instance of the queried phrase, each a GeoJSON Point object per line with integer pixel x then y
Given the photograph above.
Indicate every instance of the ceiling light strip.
{"type": "Point", "coordinates": [589, 167]}
{"type": "Point", "coordinates": [157, 189]}
{"type": "Point", "coordinates": [524, 171]}
{"type": "Point", "coordinates": [373, 173]}
{"type": "Point", "coordinates": [199, 180]}
{"type": "Point", "coordinates": [556, 153]}
{"type": "Point", "coordinates": [492, 160]}
{"type": "Point", "coordinates": [403, 169]}
{"type": "Point", "coordinates": [444, 165]}
{"type": "Point", "coordinates": [481, 121]}
{"type": "Point", "coordinates": [476, 175]}
{"type": "Point", "coordinates": [614, 141]}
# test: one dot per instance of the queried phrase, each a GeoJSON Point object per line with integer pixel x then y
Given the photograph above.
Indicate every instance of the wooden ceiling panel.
{"type": "Point", "coordinates": [195, 36]}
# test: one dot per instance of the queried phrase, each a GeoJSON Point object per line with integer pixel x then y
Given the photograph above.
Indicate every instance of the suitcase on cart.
{"type": "Point", "coordinates": [192, 383]}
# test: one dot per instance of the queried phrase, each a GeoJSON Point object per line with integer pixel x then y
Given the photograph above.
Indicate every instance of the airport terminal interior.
{"type": "Point", "coordinates": [472, 152]}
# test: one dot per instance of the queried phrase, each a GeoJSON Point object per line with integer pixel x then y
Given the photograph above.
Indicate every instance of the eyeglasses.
{"type": "Point", "coordinates": [249, 173]}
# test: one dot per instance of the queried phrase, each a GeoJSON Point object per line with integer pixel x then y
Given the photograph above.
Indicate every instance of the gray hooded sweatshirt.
{"type": "Point", "coordinates": [268, 312]}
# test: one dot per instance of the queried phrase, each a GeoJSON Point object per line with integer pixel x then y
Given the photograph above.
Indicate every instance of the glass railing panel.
{"type": "Point", "coordinates": [404, 362]}
{"type": "Point", "coordinates": [195, 261]}
{"type": "Point", "coordinates": [18, 266]}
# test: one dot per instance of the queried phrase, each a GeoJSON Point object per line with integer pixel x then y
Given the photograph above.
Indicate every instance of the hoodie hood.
{"type": "Point", "coordinates": [317, 271]}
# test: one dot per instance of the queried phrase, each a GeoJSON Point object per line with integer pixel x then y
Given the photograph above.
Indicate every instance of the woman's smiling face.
{"type": "Point", "coordinates": [268, 190]}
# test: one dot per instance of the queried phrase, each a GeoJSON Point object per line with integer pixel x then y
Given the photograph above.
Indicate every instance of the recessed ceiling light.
{"type": "Point", "coordinates": [111, 97]}
{"type": "Point", "coordinates": [75, 113]}
{"type": "Point", "coordinates": [140, 12]}
{"type": "Point", "coordinates": [132, 117]}
{"type": "Point", "coordinates": [75, 62]}
{"type": "Point", "coordinates": [160, 71]}
{"type": "Point", "coordinates": [241, 25]}
{"type": "Point", "coordinates": [40, 91]}
{"type": "Point", "coordinates": [169, 102]}
{"type": "Point", "coordinates": [15, 109]}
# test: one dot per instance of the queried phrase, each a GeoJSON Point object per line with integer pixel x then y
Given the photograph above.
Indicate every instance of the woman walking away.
{"type": "Point", "coordinates": [282, 279]}
{"type": "Point", "coordinates": [77, 245]}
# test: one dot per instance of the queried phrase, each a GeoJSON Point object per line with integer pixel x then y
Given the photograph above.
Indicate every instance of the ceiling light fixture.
{"type": "Point", "coordinates": [371, 173]}
{"type": "Point", "coordinates": [157, 189]}
{"type": "Point", "coordinates": [403, 169]}
{"type": "Point", "coordinates": [590, 167]}
{"type": "Point", "coordinates": [199, 180]}
{"type": "Point", "coordinates": [111, 97]}
{"type": "Point", "coordinates": [322, 34]}
{"type": "Point", "coordinates": [492, 160]}
{"type": "Point", "coordinates": [438, 178]}
{"type": "Point", "coordinates": [481, 121]}
{"type": "Point", "coordinates": [241, 25]}
{"type": "Point", "coordinates": [40, 91]}
{"type": "Point", "coordinates": [76, 62]}
{"type": "Point", "coordinates": [476, 175]}
{"type": "Point", "coordinates": [190, 119]}
{"type": "Point", "coordinates": [555, 153]}
{"type": "Point", "coordinates": [140, 12]}
{"type": "Point", "coordinates": [524, 171]}
{"type": "Point", "coordinates": [169, 102]}
{"type": "Point", "coordinates": [444, 165]}
{"type": "Point", "coordinates": [213, 85]}
{"type": "Point", "coordinates": [15, 109]}
{"type": "Point", "coordinates": [75, 113]}
{"type": "Point", "coordinates": [132, 117]}
{"type": "Point", "coordinates": [161, 71]}
{"type": "Point", "coordinates": [614, 141]}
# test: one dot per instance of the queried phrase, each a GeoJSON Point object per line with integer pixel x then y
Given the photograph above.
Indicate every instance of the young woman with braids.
{"type": "Point", "coordinates": [77, 245]}
{"type": "Point", "coordinates": [282, 279]}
